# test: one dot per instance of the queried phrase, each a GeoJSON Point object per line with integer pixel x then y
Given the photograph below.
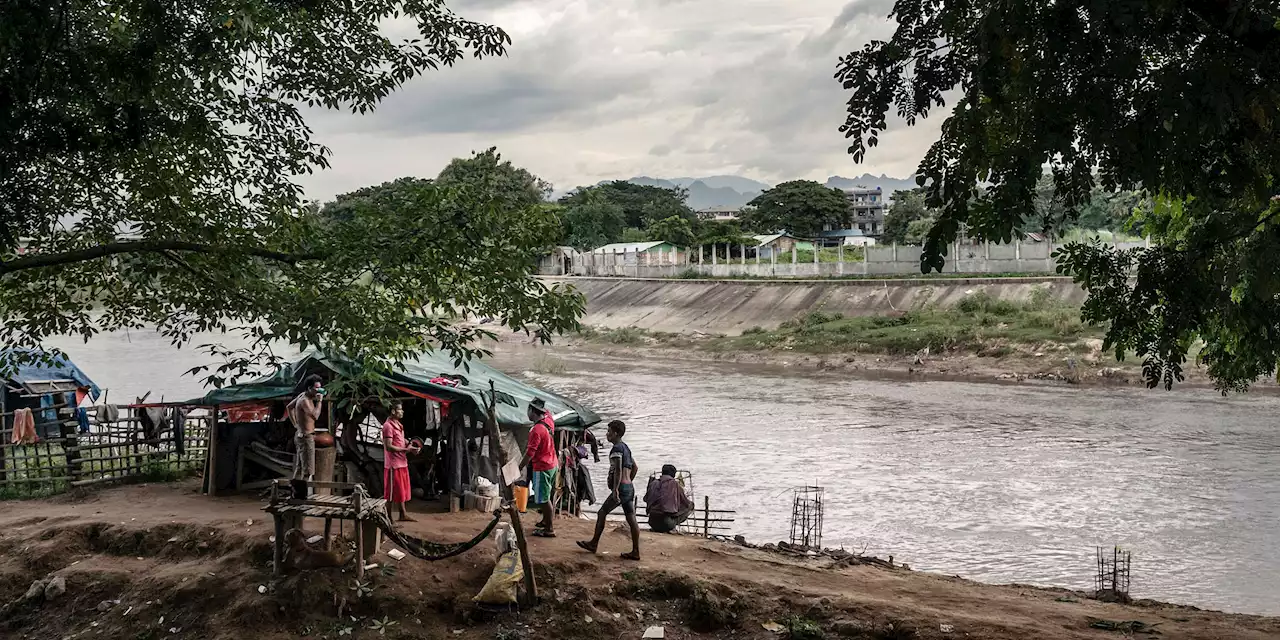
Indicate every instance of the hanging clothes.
{"type": "Point", "coordinates": [82, 418]}
{"type": "Point", "coordinates": [178, 422]}
{"type": "Point", "coordinates": [108, 414]}
{"type": "Point", "coordinates": [586, 490]}
{"type": "Point", "coordinates": [152, 423]}
{"type": "Point", "coordinates": [24, 427]}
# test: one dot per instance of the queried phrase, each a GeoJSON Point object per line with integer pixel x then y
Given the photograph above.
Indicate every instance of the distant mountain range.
{"type": "Point", "coordinates": [736, 191]}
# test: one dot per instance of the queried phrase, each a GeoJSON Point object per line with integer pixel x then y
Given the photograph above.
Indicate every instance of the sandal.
{"type": "Point", "coordinates": [631, 555]}
{"type": "Point", "coordinates": [543, 533]}
{"type": "Point", "coordinates": [586, 546]}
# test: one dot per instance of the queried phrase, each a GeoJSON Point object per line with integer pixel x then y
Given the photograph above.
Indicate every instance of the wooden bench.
{"type": "Point", "coordinates": [352, 502]}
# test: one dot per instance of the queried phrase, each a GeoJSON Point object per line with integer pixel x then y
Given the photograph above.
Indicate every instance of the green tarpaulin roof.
{"type": "Point", "coordinates": [513, 396]}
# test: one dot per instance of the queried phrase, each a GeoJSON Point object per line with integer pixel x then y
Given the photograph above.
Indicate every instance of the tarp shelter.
{"type": "Point", "coordinates": [414, 378]}
{"type": "Point", "coordinates": [43, 385]}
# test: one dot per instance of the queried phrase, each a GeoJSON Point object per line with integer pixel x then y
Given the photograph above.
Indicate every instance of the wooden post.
{"type": "Point", "coordinates": [526, 563]}
{"type": "Point", "coordinates": [4, 474]}
{"type": "Point", "coordinates": [71, 453]}
{"type": "Point", "coordinates": [706, 516]}
{"type": "Point", "coordinates": [211, 455]}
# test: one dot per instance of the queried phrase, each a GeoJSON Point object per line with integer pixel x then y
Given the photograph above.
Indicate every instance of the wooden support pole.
{"type": "Point", "coordinates": [706, 516]}
{"type": "Point", "coordinates": [526, 563]}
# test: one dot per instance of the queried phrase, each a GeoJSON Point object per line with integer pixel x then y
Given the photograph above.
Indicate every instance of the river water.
{"type": "Point", "coordinates": [998, 483]}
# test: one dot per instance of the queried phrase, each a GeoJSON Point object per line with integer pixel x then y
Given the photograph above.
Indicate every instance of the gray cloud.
{"type": "Point", "coordinates": [592, 91]}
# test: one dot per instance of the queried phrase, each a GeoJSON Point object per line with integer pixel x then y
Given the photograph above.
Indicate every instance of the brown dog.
{"type": "Point", "coordinates": [304, 558]}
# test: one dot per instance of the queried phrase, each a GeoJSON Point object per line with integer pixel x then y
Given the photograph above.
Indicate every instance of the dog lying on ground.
{"type": "Point", "coordinates": [304, 558]}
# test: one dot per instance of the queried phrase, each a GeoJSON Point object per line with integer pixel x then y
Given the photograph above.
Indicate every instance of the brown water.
{"type": "Point", "coordinates": [997, 483]}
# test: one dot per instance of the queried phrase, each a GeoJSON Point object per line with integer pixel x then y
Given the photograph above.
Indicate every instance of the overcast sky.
{"type": "Point", "coordinates": [595, 90]}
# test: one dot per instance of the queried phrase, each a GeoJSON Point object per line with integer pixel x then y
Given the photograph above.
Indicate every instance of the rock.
{"type": "Point", "coordinates": [105, 606]}
{"type": "Point", "coordinates": [35, 591]}
{"type": "Point", "coordinates": [56, 587]}
{"type": "Point", "coordinates": [262, 588]}
{"type": "Point", "coordinates": [850, 628]}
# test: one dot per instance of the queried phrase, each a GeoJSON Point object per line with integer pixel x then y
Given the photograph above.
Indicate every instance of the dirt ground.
{"type": "Point", "coordinates": [162, 561]}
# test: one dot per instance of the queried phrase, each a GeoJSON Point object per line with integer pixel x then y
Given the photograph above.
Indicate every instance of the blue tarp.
{"type": "Point", "coordinates": [60, 369]}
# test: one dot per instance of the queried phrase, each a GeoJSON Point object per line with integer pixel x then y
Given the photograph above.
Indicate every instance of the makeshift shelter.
{"type": "Point", "coordinates": [43, 387]}
{"type": "Point", "coordinates": [445, 407]}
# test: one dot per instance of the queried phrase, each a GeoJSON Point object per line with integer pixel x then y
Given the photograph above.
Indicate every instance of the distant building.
{"type": "Point", "coordinates": [642, 253]}
{"type": "Point", "coordinates": [779, 244]}
{"type": "Point", "coordinates": [867, 208]}
{"type": "Point", "coordinates": [559, 262]}
{"type": "Point", "coordinates": [846, 237]}
{"type": "Point", "coordinates": [720, 213]}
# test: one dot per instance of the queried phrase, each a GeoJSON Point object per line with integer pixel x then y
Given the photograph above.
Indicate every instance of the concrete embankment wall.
{"type": "Point", "coordinates": [724, 261]}
{"type": "Point", "coordinates": [731, 307]}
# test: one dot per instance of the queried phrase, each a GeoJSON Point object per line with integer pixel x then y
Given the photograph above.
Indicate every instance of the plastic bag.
{"type": "Point", "coordinates": [502, 583]}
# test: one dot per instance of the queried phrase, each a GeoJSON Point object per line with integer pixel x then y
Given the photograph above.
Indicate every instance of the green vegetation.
{"type": "Point", "coordinates": [979, 324]}
{"type": "Point", "coordinates": [801, 207]}
{"type": "Point", "coordinates": [1173, 100]}
{"type": "Point", "coordinates": [155, 185]}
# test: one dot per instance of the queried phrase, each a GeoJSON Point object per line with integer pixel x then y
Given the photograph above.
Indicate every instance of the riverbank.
{"type": "Point", "coordinates": [978, 338]}
{"type": "Point", "coordinates": [161, 561]}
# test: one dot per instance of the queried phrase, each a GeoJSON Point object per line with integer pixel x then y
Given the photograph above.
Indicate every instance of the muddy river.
{"type": "Point", "coordinates": [997, 483]}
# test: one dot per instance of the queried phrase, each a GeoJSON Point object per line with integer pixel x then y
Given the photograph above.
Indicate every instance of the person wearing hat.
{"type": "Point", "coordinates": [666, 502]}
{"type": "Point", "coordinates": [540, 458]}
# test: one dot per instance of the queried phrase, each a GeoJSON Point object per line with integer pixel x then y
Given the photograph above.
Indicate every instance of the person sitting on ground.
{"type": "Point", "coordinates": [667, 503]}
{"type": "Point", "coordinates": [622, 493]}
{"type": "Point", "coordinates": [395, 476]}
{"type": "Point", "coordinates": [541, 459]}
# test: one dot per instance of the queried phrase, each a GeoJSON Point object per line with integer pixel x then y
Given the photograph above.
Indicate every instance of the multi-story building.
{"type": "Point", "coordinates": [867, 208]}
{"type": "Point", "coordinates": [720, 213]}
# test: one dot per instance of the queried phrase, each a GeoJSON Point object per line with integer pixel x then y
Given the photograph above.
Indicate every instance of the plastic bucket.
{"type": "Point", "coordinates": [521, 495]}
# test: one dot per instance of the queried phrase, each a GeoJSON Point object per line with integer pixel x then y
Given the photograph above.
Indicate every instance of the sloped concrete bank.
{"type": "Point", "coordinates": [733, 306]}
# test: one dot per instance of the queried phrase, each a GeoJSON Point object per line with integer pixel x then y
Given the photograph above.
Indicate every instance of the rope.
{"type": "Point", "coordinates": [426, 549]}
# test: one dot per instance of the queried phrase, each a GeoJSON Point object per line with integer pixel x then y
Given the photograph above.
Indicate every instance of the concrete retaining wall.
{"type": "Point", "coordinates": [731, 307]}
{"type": "Point", "coordinates": [892, 260]}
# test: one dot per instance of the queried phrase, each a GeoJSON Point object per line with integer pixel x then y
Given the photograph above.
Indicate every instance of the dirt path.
{"type": "Point", "coordinates": [161, 561]}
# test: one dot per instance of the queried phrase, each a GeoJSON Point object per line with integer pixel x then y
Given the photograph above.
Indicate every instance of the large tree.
{"type": "Point", "coordinates": [800, 207]}
{"type": "Point", "coordinates": [908, 207]}
{"type": "Point", "coordinates": [592, 220]}
{"type": "Point", "coordinates": [488, 171]}
{"type": "Point", "coordinates": [641, 205]}
{"type": "Point", "coordinates": [1177, 97]}
{"type": "Point", "coordinates": [147, 179]}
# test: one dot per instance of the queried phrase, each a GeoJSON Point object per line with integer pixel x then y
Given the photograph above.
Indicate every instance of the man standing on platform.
{"type": "Point", "coordinates": [540, 457]}
{"type": "Point", "coordinates": [304, 411]}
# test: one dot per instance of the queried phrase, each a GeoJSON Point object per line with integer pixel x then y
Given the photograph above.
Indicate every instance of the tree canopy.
{"type": "Point", "coordinates": [641, 204]}
{"type": "Point", "coordinates": [908, 207]}
{"type": "Point", "coordinates": [801, 207]}
{"type": "Point", "coordinates": [147, 180]}
{"type": "Point", "coordinates": [1178, 98]}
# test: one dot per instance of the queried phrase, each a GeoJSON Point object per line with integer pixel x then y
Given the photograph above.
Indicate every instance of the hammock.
{"type": "Point", "coordinates": [425, 549]}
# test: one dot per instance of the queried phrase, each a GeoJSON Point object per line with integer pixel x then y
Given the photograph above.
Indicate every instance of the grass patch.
{"type": "Point", "coordinates": [978, 324]}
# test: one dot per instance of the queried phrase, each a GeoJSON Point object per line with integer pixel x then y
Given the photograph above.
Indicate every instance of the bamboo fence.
{"type": "Point", "coordinates": [114, 452]}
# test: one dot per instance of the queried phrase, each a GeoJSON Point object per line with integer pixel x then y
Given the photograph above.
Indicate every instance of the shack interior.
{"type": "Point", "coordinates": [444, 405]}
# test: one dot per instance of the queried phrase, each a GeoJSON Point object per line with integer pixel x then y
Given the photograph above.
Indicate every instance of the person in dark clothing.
{"type": "Point", "coordinates": [622, 493]}
{"type": "Point", "coordinates": [666, 501]}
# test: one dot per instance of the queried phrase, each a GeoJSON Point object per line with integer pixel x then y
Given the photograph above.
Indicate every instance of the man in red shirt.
{"type": "Point", "coordinates": [540, 457]}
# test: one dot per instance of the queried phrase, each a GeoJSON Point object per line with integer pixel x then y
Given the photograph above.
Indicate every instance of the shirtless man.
{"type": "Point", "coordinates": [304, 410]}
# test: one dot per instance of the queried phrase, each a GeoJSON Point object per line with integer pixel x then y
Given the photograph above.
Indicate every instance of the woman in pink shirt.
{"type": "Point", "coordinates": [395, 475]}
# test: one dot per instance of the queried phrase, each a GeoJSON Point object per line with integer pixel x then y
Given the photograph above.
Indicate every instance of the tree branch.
{"type": "Point", "coordinates": [1238, 20]}
{"type": "Point", "coordinates": [146, 246]}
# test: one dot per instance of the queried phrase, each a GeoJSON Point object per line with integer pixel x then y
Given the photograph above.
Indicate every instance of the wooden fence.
{"type": "Point", "coordinates": [108, 452]}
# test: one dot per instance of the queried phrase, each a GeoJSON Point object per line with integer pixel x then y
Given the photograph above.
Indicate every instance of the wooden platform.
{"type": "Point", "coordinates": [358, 507]}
